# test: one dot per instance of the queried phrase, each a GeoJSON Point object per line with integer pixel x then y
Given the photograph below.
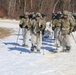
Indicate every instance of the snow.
{"type": "Point", "coordinates": [27, 63]}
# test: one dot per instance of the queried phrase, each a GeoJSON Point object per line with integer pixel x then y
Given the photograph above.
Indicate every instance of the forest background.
{"type": "Point", "coordinates": [13, 8]}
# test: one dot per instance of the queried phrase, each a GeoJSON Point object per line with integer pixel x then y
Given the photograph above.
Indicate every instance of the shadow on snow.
{"type": "Point", "coordinates": [47, 45]}
{"type": "Point", "coordinates": [17, 47]}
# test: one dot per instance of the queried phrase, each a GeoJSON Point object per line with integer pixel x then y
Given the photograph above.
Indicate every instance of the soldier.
{"type": "Point", "coordinates": [67, 26]}
{"type": "Point", "coordinates": [25, 25]}
{"type": "Point", "coordinates": [56, 25]}
{"type": "Point", "coordinates": [37, 27]}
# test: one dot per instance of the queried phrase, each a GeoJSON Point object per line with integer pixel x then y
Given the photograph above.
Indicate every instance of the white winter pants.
{"type": "Point", "coordinates": [37, 39]}
{"type": "Point", "coordinates": [26, 34]}
{"type": "Point", "coordinates": [57, 35]}
{"type": "Point", "coordinates": [65, 40]}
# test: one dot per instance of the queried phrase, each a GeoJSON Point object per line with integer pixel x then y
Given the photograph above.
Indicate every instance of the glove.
{"type": "Point", "coordinates": [69, 32]}
{"type": "Point", "coordinates": [40, 26]}
{"type": "Point", "coordinates": [53, 28]}
{"type": "Point", "coordinates": [20, 26]}
{"type": "Point", "coordinates": [26, 26]}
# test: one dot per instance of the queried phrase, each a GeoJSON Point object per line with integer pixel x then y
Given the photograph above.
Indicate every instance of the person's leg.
{"type": "Point", "coordinates": [56, 35]}
{"type": "Point", "coordinates": [24, 35]}
{"type": "Point", "coordinates": [27, 37]}
{"type": "Point", "coordinates": [68, 45]}
{"type": "Point", "coordinates": [66, 42]}
{"type": "Point", "coordinates": [39, 41]}
{"type": "Point", "coordinates": [33, 41]}
{"type": "Point", "coordinates": [63, 42]}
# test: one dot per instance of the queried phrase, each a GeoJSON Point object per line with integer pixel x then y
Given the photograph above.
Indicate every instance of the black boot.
{"type": "Point", "coordinates": [68, 48]}
{"type": "Point", "coordinates": [32, 48]}
{"type": "Point", "coordinates": [38, 51]}
{"type": "Point", "coordinates": [23, 45]}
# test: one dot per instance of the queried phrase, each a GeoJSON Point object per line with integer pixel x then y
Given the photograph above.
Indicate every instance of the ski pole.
{"type": "Point", "coordinates": [73, 37]}
{"type": "Point", "coordinates": [18, 36]}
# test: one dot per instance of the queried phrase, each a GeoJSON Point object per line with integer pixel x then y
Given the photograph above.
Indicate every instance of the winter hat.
{"type": "Point", "coordinates": [65, 12]}
{"type": "Point", "coordinates": [26, 13]}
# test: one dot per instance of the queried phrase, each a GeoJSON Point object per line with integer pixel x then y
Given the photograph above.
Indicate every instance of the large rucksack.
{"type": "Point", "coordinates": [74, 15]}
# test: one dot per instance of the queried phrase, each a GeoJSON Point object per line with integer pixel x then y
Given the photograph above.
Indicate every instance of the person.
{"type": "Point", "coordinates": [67, 26]}
{"type": "Point", "coordinates": [56, 25]}
{"type": "Point", "coordinates": [37, 26]}
{"type": "Point", "coordinates": [25, 25]}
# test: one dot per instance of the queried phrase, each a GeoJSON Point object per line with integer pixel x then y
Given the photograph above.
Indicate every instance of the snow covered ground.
{"type": "Point", "coordinates": [27, 63]}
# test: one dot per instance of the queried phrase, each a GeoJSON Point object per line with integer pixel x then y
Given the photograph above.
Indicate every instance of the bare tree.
{"type": "Point", "coordinates": [9, 8]}
{"type": "Point", "coordinates": [31, 5]}
{"type": "Point", "coordinates": [16, 7]}
{"type": "Point", "coordinates": [55, 5]}
{"type": "Point", "coordinates": [0, 3]}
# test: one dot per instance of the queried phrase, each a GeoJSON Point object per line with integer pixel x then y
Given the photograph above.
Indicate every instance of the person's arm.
{"type": "Point", "coordinates": [43, 25]}
{"type": "Point", "coordinates": [53, 24]}
{"type": "Point", "coordinates": [30, 24]}
{"type": "Point", "coordinates": [71, 25]}
{"type": "Point", "coordinates": [21, 23]}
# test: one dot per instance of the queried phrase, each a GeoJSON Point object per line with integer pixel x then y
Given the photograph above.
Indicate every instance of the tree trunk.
{"type": "Point", "coordinates": [55, 5]}
{"type": "Point", "coordinates": [9, 8]}
{"type": "Point", "coordinates": [14, 6]}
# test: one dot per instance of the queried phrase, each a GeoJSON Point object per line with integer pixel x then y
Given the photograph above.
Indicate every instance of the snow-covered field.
{"type": "Point", "coordinates": [27, 63]}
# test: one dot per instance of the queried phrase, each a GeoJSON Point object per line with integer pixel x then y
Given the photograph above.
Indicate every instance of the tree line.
{"type": "Point", "coordinates": [14, 8]}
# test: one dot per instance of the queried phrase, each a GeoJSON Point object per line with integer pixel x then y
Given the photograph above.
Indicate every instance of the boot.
{"type": "Point", "coordinates": [23, 45]}
{"type": "Point", "coordinates": [68, 48]}
{"type": "Point", "coordinates": [57, 45]}
{"type": "Point", "coordinates": [38, 51]}
{"type": "Point", "coordinates": [63, 50]}
{"type": "Point", "coordinates": [32, 48]}
{"type": "Point", "coordinates": [26, 46]}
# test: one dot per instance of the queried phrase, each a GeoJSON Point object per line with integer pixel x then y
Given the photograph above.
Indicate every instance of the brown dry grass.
{"type": "Point", "coordinates": [5, 32]}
